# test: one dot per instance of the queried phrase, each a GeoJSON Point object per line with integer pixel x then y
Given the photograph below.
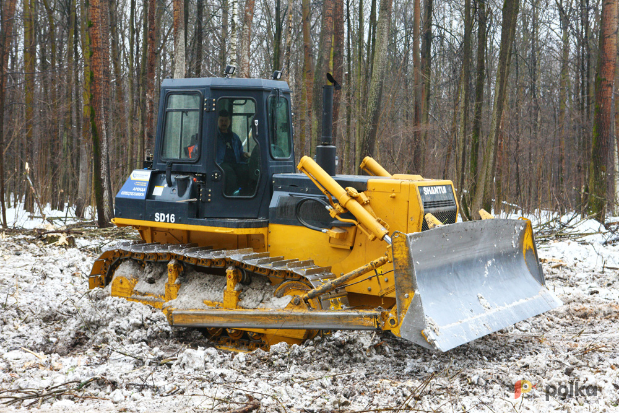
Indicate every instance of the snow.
{"type": "Point", "coordinates": [17, 217]}
{"type": "Point", "coordinates": [108, 354]}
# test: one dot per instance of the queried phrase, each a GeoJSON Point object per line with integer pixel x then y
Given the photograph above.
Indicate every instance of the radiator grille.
{"type": "Point", "coordinates": [439, 204]}
{"type": "Point", "coordinates": [439, 201]}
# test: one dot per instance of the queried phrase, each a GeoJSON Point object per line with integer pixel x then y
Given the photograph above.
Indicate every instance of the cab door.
{"type": "Point", "coordinates": [237, 171]}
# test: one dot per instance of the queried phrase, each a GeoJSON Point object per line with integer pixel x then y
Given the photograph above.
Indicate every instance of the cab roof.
{"type": "Point", "coordinates": [226, 83]}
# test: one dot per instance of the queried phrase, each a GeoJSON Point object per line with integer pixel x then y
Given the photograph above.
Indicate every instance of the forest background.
{"type": "Point", "coordinates": [513, 100]}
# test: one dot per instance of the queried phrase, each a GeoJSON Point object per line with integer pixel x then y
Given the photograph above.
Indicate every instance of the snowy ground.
{"type": "Point", "coordinates": [65, 348]}
{"type": "Point", "coordinates": [17, 217]}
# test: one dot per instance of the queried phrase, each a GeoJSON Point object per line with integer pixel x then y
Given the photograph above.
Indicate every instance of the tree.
{"type": "Point", "coordinates": [179, 39]}
{"type": "Point", "coordinates": [99, 111]}
{"type": "Point", "coordinates": [600, 136]}
{"type": "Point", "coordinates": [29, 72]}
{"type": "Point", "coordinates": [563, 92]}
{"type": "Point", "coordinates": [479, 104]}
{"type": "Point", "coordinates": [199, 38]}
{"type": "Point", "coordinates": [149, 136]}
{"type": "Point", "coordinates": [248, 17]}
{"type": "Point", "coordinates": [6, 34]}
{"type": "Point", "coordinates": [508, 30]}
{"type": "Point", "coordinates": [338, 62]}
{"type": "Point", "coordinates": [378, 77]}
{"type": "Point", "coordinates": [417, 143]}
{"type": "Point", "coordinates": [426, 71]}
{"type": "Point", "coordinates": [308, 77]}
{"type": "Point", "coordinates": [463, 102]}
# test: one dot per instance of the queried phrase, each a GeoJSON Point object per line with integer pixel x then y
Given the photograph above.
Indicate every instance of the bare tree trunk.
{"type": "Point", "coordinates": [286, 61]}
{"type": "Point", "coordinates": [426, 70]}
{"type": "Point", "coordinates": [6, 35]}
{"type": "Point", "coordinates": [371, 43]}
{"type": "Point", "coordinates": [565, 54]}
{"type": "Point", "coordinates": [359, 133]}
{"type": "Point", "coordinates": [463, 104]}
{"type": "Point", "coordinates": [29, 69]}
{"type": "Point", "coordinates": [72, 123]}
{"type": "Point", "coordinates": [308, 78]}
{"type": "Point", "coordinates": [179, 39]}
{"type": "Point", "coordinates": [346, 158]}
{"type": "Point", "coordinates": [277, 41]}
{"type": "Point", "coordinates": [417, 144]}
{"type": "Point", "coordinates": [248, 17]}
{"type": "Point", "coordinates": [600, 136]}
{"type": "Point", "coordinates": [131, 78]}
{"type": "Point", "coordinates": [99, 128]}
{"type": "Point", "coordinates": [84, 170]}
{"type": "Point", "coordinates": [378, 75]}
{"type": "Point", "coordinates": [143, 82]}
{"type": "Point", "coordinates": [223, 55]}
{"type": "Point", "coordinates": [149, 135]}
{"type": "Point", "coordinates": [234, 33]}
{"type": "Point", "coordinates": [121, 112]}
{"type": "Point", "coordinates": [479, 105]}
{"type": "Point", "coordinates": [338, 63]}
{"type": "Point", "coordinates": [89, 111]}
{"type": "Point", "coordinates": [616, 146]}
{"type": "Point", "coordinates": [199, 36]}
{"type": "Point", "coordinates": [54, 138]}
{"type": "Point", "coordinates": [508, 29]}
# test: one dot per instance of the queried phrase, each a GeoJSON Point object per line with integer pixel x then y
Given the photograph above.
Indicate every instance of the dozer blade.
{"type": "Point", "coordinates": [459, 282]}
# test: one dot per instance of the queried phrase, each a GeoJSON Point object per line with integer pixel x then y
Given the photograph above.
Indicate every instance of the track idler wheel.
{"type": "Point", "coordinates": [295, 289]}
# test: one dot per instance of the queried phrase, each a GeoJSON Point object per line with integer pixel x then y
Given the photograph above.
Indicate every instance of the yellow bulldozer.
{"type": "Point", "coordinates": [238, 243]}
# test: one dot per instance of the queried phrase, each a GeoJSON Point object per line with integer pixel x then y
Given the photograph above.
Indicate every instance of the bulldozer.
{"type": "Point", "coordinates": [238, 243]}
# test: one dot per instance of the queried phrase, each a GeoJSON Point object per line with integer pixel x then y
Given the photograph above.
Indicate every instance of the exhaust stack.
{"type": "Point", "coordinates": [326, 151]}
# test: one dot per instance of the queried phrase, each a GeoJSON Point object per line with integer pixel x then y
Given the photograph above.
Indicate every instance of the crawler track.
{"type": "Point", "coordinates": [277, 269]}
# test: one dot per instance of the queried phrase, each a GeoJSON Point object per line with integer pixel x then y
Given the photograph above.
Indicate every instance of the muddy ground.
{"type": "Point", "coordinates": [65, 348]}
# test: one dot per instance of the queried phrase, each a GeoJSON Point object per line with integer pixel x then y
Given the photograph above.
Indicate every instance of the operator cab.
{"type": "Point", "coordinates": [218, 143]}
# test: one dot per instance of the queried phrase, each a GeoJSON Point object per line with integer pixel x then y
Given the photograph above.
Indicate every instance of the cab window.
{"type": "Point", "coordinates": [238, 152]}
{"type": "Point", "coordinates": [181, 134]}
{"type": "Point", "coordinates": [279, 125]}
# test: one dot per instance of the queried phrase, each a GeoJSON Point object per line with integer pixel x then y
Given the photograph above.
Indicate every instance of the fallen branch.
{"type": "Point", "coordinates": [250, 407]}
{"type": "Point", "coordinates": [38, 396]}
